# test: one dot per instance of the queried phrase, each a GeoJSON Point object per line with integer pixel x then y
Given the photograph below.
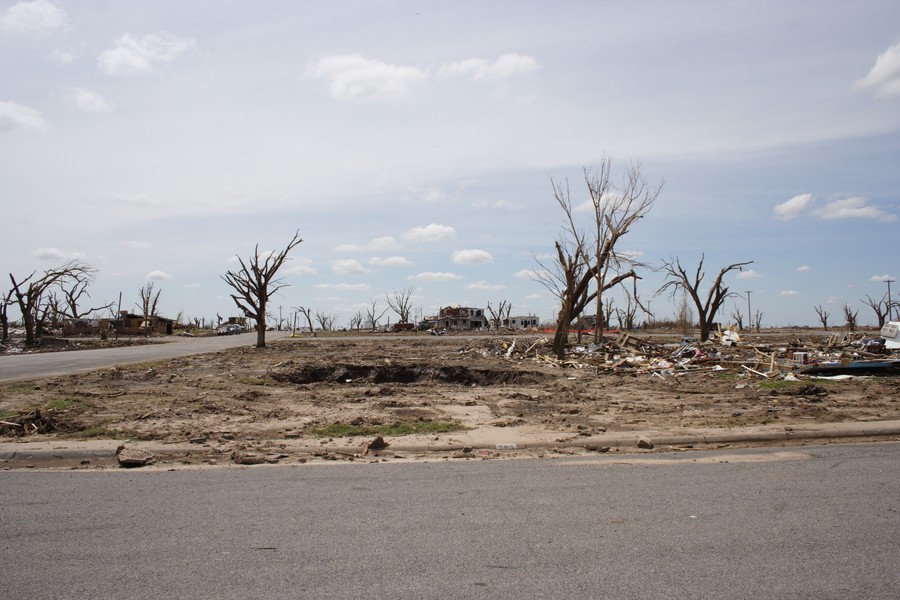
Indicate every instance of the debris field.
{"type": "Point", "coordinates": [248, 405]}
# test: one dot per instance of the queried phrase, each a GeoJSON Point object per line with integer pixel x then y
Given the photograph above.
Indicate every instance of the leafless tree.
{"type": "Point", "coordinates": [149, 305]}
{"type": "Point", "coordinates": [307, 312]}
{"type": "Point", "coordinates": [591, 259]}
{"type": "Point", "coordinates": [30, 293]}
{"type": "Point", "coordinates": [401, 303]}
{"type": "Point", "coordinates": [255, 283]}
{"type": "Point", "coordinates": [823, 316]}
{"type": "Point", "coordinates": [325, 320]}
{"type": "Point", "coordinates": [738, 317]}
{"type": "Point", "coordinates": [757, 320]}
{"type": "Point", "coordinates": [500, 315]}
{"type": "Point", "coordinates": [356, 321]}
{"type": "Point", "coordinates": [75, 290]}
{"type": "Point", "coordinates": [678, 279]}
{"type": "Point", "coordinates": [5, 302]}
{"type": "Point", "coordinates": [684, 318]}
{"type": "Point", "coordinates": [881, 307]}
{"type": "Point", "coordinates": [372, 314]}
{"type": "Point", "coordinates": [850, 316]}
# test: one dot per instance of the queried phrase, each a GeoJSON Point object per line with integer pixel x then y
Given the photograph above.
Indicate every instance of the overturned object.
{"type": "Point", "coordinates": [891, 335]}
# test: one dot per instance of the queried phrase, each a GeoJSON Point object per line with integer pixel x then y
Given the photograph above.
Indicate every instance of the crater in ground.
{"type": "Point", "coordinates": [455, 374]}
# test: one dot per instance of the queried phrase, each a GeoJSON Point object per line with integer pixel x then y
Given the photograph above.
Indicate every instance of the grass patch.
{"type": "Point", "coordinates": [338, 430]}
{"type": "Point", "coordinates": [21, 388]}
{"type": "Point", "coordinates": [64, 404]}
{"type": "Point", "coordinates": [99, 431]}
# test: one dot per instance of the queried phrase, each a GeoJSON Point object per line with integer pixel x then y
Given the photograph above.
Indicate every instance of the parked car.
{"type": "Point", "coordinates": [229, 329]}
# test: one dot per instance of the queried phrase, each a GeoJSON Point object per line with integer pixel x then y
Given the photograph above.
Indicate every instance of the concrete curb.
{"type": "Point", "coordinates": [104, 451]}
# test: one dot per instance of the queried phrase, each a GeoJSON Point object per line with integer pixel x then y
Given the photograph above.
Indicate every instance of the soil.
{"type": "Point", "coordinates": [311, 392]}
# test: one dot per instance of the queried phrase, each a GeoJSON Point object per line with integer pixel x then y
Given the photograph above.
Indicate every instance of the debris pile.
{"type": "Point", "coordinates": [844, 354]}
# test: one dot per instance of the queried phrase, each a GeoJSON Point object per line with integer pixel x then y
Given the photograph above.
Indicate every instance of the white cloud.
{"type": "Point", "coordinates": [832, 300]}
{"type": "Point", "coordinates": [349, 266]}
{"type": "Point", "coordinates": [354, 78]}
{"type": "Point", "coordinates": [884, 76]}
{"type": "Point", "coordinates": [881, 278]}
{"type": "Point", "coordinates": [383, 243]}
{"type": "Point", "coordinates": [484, 285]}
{"type": "Point", "coordinates": [16, 116]}
{"type": "Point", "coordinates": [526, 274]}
{"type": "Point", "coordinates": [803, 269]}
{"type": "Point", "coordinates": [748, 274]}
{"type": "Point", "coordinates": [158, 276]}
{"type": "Point", "coordinates": [344, 287]}
{"type": "Point", "coordinates": [499, 205]}
{"type": "Point", "coordinates": [38, 16]}
{"type": "Point", "coordinates": [300, 269]}
{"type": "Point", "coordinates": [793, 207]}
{"type": "Point", "coordinates": [631, 254]}
{"type": "Point", "coordinates": [479, 68]}
{"type": "Point", "coordinates": [429, 276]}
{"type": "Point", "coordinates": [61, 57]}
{"type": "Point", "coordinates": [92, 102]}
{"type": "Point", "coordinates": [853, 208]}
{"type": "Point", "coordinates": [788, 293]}
{"type": "Point", "coordinates": [430, 233]}
{"type": "Point", "coordinates": [130, 56]}
{"type": "Point", "coordinates": [433, 195]}
{"type": "Point", "coordinates": [391, 261]}
{"type": "Point", "coordinates": [56, 254]}
{"type": "Point", "coordinates": [472, 257]}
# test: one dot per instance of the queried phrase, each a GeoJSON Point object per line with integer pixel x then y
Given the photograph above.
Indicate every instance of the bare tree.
{"type": "Point", "coordinates": [325, 320]}
{"type": "Point", "coordinates": [149, 306]}
{"type": "Point", "coordinates": [401, 303]}
{"type": "Point", "coordinates": [584, 260]}
{"type": "Point", "coordinates": [75, 290]}
{"type": "Point", "coordinates": [5, 302]}
{"type": "Point", "coordinates": [255, 283]}
{"type": "Point", "coordinates": [501, 315]}
{"type": "Point", "coordinates": [356, 320]}
{"type": "Point", "coordinates": [823, 316]}
{"type": "Point", "coordinates": [757, 320]}
{"type": "Point", "coordinates": [678, 279]}
{"type": "Point", "coordinates": [684, 318]}
{"type": "Point", "coordinates": [738, 317]}
{"type": "Point", "coordinates": [372, 314]}
{"type": "Point", "coordinates": [30, 293]}
{"type": "Point", "coordinates": [307, 312]}
{"type": "Point", "coordinates": [881, 307]}
{"type": "Point", "coordinates": [850, 316]}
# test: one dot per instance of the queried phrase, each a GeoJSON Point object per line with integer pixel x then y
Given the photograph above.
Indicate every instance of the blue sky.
{"type": "Point", "coordinates": [413, 144]}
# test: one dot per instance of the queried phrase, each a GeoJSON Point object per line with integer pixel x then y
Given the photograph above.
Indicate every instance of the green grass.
{"type": "Point", "coordinates": [64, 404]}
{"type": "Point", "coordinates": [22, 387]}
{"type": "Point", "coordinates": [394, 429]}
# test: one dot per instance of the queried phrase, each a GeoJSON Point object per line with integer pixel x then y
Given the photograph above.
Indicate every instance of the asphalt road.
{"type": "Point", "coordinates": [17, 367]}
{"type": "Point", "coordinates": [810, 522]}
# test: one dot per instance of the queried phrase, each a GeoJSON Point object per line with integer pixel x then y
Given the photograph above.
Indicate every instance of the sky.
{"type": "Point", "coordinates": [414, 144]}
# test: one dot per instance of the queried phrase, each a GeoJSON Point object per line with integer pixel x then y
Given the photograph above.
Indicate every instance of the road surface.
{"type": "Point", "coordinates": [17, 367]}
{"type": "Point", "coordinates": [801, 522]}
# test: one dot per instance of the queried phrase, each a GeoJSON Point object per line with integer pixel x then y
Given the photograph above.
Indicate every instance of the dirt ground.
{"type": "Point", "coordinates": [316, 391]}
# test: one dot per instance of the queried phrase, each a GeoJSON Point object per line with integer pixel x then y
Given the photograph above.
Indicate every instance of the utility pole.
{"type": "Point", "coordinates": [749, 313]}
{"type": "Point", "coordinates": [890, 305]}
{"type": "Point", "coordinates": [279, 317]}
